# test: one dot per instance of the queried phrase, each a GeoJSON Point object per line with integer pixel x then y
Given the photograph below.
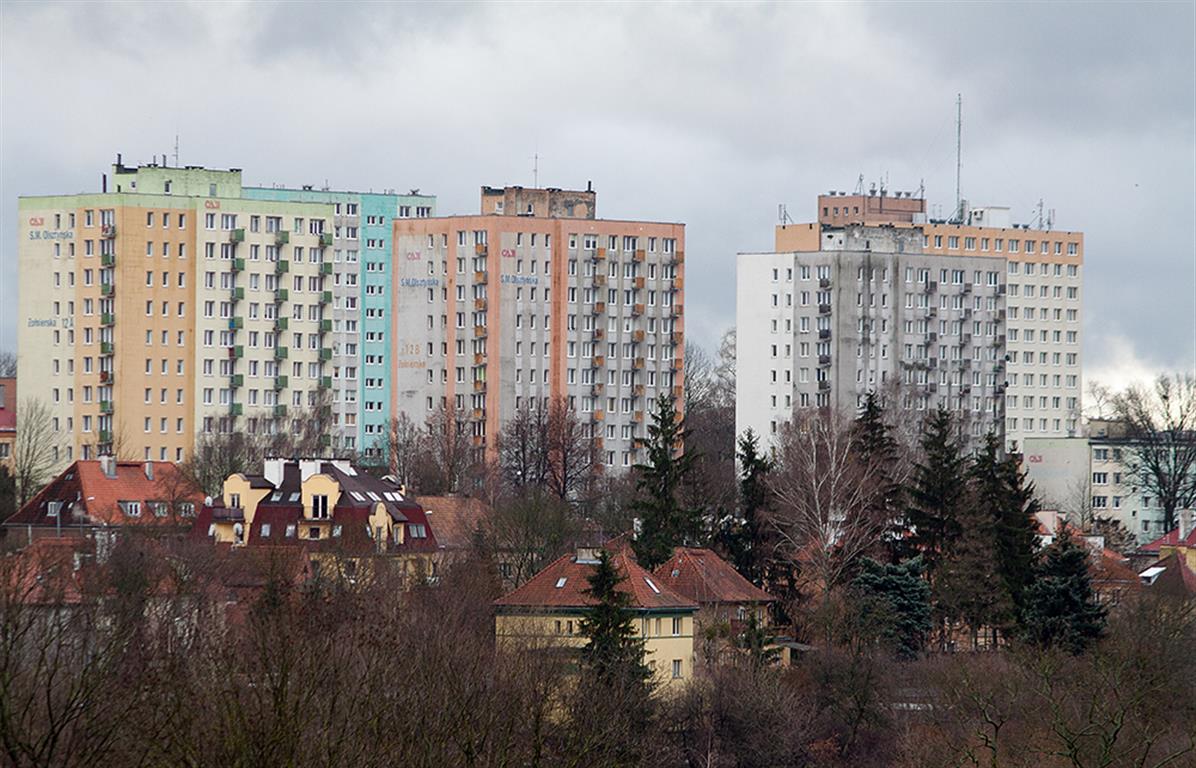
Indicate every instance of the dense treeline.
{"type": "Point", "coordinates": [150, 666]}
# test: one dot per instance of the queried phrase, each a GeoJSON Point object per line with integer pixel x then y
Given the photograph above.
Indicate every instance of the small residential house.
{"type": "Point", "coordinates": [326, 506]}
{"type": "Point", "coordinates": [548, 608]}
{"type": "Point", "coordinates": [106, 495]}
{"type": "Point", "coordinates": [8, 419]}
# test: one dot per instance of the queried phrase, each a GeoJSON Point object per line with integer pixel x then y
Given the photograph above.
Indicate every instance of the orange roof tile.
{"type": "Point", "coordinates": [703, 576]}
{"type": "Point", "coordinates": [562, 585]}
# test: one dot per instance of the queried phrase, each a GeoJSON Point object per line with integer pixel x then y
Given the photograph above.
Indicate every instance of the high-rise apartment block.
{"type": "Point", "coordinates": [536, 299]}
{"type": "Point", "coordinates": [176, 302]}
{"type": "Point", "coordinates": [975, 314]}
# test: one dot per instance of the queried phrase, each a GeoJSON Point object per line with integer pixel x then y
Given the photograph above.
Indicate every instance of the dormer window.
{"type": "Point", "coordinates": [319, 507]}
{"type": "Point", "coordinates": [130, 508]}
{"type": "Point", "coordinates": [53, 508]}
{"type": "Point", "coordinates": [234, 500]}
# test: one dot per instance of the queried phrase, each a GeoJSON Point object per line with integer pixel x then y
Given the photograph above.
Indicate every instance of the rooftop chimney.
{"type": "Point", "coordinates": [149, 470]}
{"type": "Point", "coordinates": [108, 466]}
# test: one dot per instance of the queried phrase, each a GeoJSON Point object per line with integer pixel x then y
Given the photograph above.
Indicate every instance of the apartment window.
{"type": "Point", "coordinates": [319, 507]}
{"type": "Point", "coordinates": [676, 669]}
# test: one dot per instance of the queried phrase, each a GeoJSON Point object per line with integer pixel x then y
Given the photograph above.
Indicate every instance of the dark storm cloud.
{"type": "Point", "coordinates": [708, 114]}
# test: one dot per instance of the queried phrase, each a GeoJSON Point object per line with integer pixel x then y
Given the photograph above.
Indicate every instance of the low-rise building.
{"type": "Point", "coordinates": [8, 419]}
{"type": "Point", "coordinates": [107, 495]}
{"type": "Point", "coordinates": [547, 610]}
{"type": "Point", "coordinates": [327, 506]}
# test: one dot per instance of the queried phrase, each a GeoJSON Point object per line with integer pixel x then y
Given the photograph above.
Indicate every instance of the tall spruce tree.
{"type": "Point", "coordinates": [1061, 608]}
{"type": "Point", "coordinates": [743, 538]}
{"type": "Point", "coordinates": [968, 587]}
{"type": "Point", "coordinates": [894, 600]}
{"type": "Point", "coordinates": [613, 654]}
{"type": "Point", "coordinates": [665, 522]}
{"type": "Point", "coordinates": [875, 444]}
{"type": "Point", "coordinates": [1002, 495]}
{"type": "Point", "coordinates": [937, 491]}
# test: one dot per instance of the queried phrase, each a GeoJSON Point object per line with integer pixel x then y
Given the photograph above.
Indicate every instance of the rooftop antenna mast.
{"type": "Point", "coordinates": [536, 170]}
{"type": "Point", "coordinates": [958, 154]}
{"type": "Point", "coordinates": [783, 214]}
{"type": "Point", "coordinates": [859, 185]}
{"type": "Point", "coordinates": [176, 151]}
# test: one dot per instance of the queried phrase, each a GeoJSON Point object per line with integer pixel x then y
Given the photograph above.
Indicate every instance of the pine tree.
{"type": "Point", "coordinates": [937, 491]}
{"type": "Point", "coordinates": [874, 444]}
{"type": "Point", "coordinates": [1001, 492]}
{"type": "Point", "coordinates": [743, 538]}
{"type": "Point", "coordinates": [613, 654]}
{"type": "Point", "coordinates": [895, 601]}
{"type": "Point", "coordinates": [664, 521]}
{"type": "Point", "coordinates": [968, 586]}
{"type": "Point", "coordinates": [1060, 607]}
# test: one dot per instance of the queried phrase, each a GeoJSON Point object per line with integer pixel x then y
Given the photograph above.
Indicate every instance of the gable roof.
{"type": "Point", "coordinates": [1170, 576]}
{"type": "Point", "coordinates": [89, 497]}
{"type": "Point", "coordinates": [562, 585]}
{"type": "Point", "coordinates": [704, 577]}
{"type": "Point", "coordinates": [1171, 539]}
{"type": "Point", "coordinates": [456, 519]}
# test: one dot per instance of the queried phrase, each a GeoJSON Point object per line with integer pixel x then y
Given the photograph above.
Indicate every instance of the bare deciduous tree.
{"type": "Point", "coordinates": [402, 447]}
{"type": "Point", "coordinates": [1160, 423]}
{"type": "Point", "coordinates": [8, 364]}
{"type": "Point", "coordinates": [35, 450]}
{"type": "Point", "coordinates": [450, 448]}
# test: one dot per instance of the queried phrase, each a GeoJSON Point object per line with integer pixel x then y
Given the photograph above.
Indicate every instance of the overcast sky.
{"type": "Point", "coordinates": [706, 114]}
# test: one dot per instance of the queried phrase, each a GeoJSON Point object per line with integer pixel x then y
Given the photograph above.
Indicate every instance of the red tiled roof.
{"type": "Point", "coordinates": [455, 519]}
{"type": "Point", "coordinates": [1171, 539]}
{"type": "Point", "coordinates": [704, 577]}
{"type": "Point", "coordinates": [46, 572]}
{"type": "Point", "coordinates": [1176, 579]}
{"type": "Point", "coordinates": [646, 593]}
{"type": "Point", "coordinates": [90, 497]}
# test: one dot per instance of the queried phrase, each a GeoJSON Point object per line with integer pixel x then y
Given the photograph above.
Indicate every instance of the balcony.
{"type": "Point", "coordinates": [326, 297]}
{"type": "Point", "coordinates": [824, 361]}
{"type": "Point", "coordinates": [280, 411]}
{"type": "Point", "coordinates": [106, 348]}
{"type": "Point", "coordinates": [824, 334]}
{"type": "Point", "coordinates": [599, 334]}
{"type": "Point", "coordinates": [479, 358]}
{"type": "Point", "coordinates": [824, 386]}
{"type": "Point", "coordinates": [933, 363]}
{"type": "Point", "coordinates": [479, 304]}
{"type": "Point", "coordinates": [325, 354]}
{"type": "Point", "coordinates": [931, 338]}
{"type": "Point", "coordinates": [597, 361]}
{"type": "Point", "coordinates": [108, 231]}
{"type": "Point", "coordinates": [639, 282]}
{"type": "Point", "coordinates": [280, 382]}
{"type": "Point", "coordinates": [479, 276]}
{"type": "Point", "coordinates": [237, 352]}
{"type": "Point", "coordinates": [965, 339]}
{"type": "Point", "coordinates": [282, 266]}
{"type": "Point", "coordinates": [638, 390]}
{"type": "Point", "coordinates": [236, 235]}
{"type": "Point", "coordinates": [637, 310]}
{"type": "Point", "coordinates": [480, 249]}
{"type": "Point", "coordinates": [326, 382]}
{"type": "Point", "coordinates": [678, 284]}
{"type": "Point", "coordinates": [236, 409]}
{"type": "Point", "coordinates": [281, 323]}
{"type": "Point", "coordinates": [479, 331]}
{"type": "Point", "coordinates": [678, 257]}
{"type": "Point", "coordinates": [600, 280]}
{"type": "Point", "coordinates": [479, 385]}
{"type": "Point", "coordinates": [107, 259]}
{"type": "Point", "coordinates": [966, 363]}
{"type": "Point", "coordinates": [824, 282]}
{"type": "Point", "coordinates": [678, 338]}
{"type": "Point", "coordinates": [236, 323]}
{"type": "Point", "coordinates": [824, 309]}
{"type": "Point", "coordinates": [238, 264]}
{"type": "Point", "coordinates": [598, 308]}
{"type": "Point", "coordinates": [597, 387]}
{"type": "Point", "coordinates": [106, 406]}
{"type": "Point", "coordinates": [930, 286]}
{"type": "Point", "coordinates": [640, 255]}
{"type": "Point", "coordinates": [325, 239]}
{"type": "Point", "coordinates": [599, 415]}
{"type": "Point", "coordinates": [677, 363]}
{"type": "Point", "coordinates": [107, 319]}
{"type": "Point", "coordinates": [325, 326]}
{"type": "Point", "coordinates": [999, 290]}
{"type": "Point", "coordinates": [638, 417]}
{"type": "Point", "coordinates": [105, 436]}
{"type": "Point", "coordinates": [677, 310]}
{"type": "Point", "coordinates": [479, 414]}
{"type": "Point", "coordinates": [281, 295]}
{"type": "Point", "coordinates": [326, 268]}
{"type": "Point", "coordinates": [106, 377]}
{"type": "Point", "coordinates": [932, 312]}
{"type": "Point", "coordinates": [107, 289]}
{"type": "Point", "coordinates": [237, 381]}
{"type": "Point", "coordinates": [237, 294]}
{"type": "Point", "coordinates": [639, 363]}
{"type": "Point", "coordinates": [1001, 340]}
{"type": "Point", "coordinates": [599, 254]}
{"type": "Point", "coordinates": [282, 237]}
{"type": "Point", "coordinates": [967, 288]}
{"type": "Point", "coordinates": [637, 335]}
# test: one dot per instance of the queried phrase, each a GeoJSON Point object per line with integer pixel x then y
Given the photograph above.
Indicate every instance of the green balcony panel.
{"type": "Point", "coordinates": [238, 352]}
{"type": "Point", "coordinates": [105, 406]}
{"type": "Point", "coordinates": [238, 264]}
{"type": "Point", "coordinates": [280, 410]}
{"type": "Point", "coordinates": [281, 323]}
{"type": "Point", "coordinates": [237, 235]}
{"type": "Point", "coordinates": [325, 326]}
{"type": "Point", "coordinates": [326, 268]}
{"type": "Point", "coordinates": [105, 347]}
{"type": "Point", "coordinates": [282, 238]}
{"type": "Point", "coordinates": [236, 323]}
{"type": "Point", "coordinates": [107, 289]}
{"type": "Point", "coordinates": [325, 239]}
{"type": "Point", "coordinates": [326, 297]}
{"type": "Point", "coordinates": [238, 294]}
{"type": "Point", "coordinates": [238, 380]}
{"type": "Point", "coordinates": [105, 436]}
{"type": "Point", "coordinates": [236, 409]}
{"type": "Point", "coordinates": [280, 382]}
{"type": "Point", "coordinates": [281, 295]}
{"type": "Point", "coordinates": [107, 319]}
{"type": "Point", "coordinates": [325, 354]}
{"type": "Point", "coordinates": [280, 353]}
{"type": "Point", "coordinates": [326, 382]}
{"type": "Point", "coordinates": [325, 440]}
{"type": "Point", "coordinates": [108, 260]}
{"type": "Point", "coordinates": [282, 266]}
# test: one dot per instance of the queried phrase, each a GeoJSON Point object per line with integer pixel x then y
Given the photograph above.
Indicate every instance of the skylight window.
{"type": "Point", "coordinates": [276, 496]}
{"type": "Point", "coordinates": [294, 497]}
{"type": "Point", "coordinates": [357, 496]}
{"type": "Point", "coordinates": [373, 496]}
{"type": "Point", "coordinates": [561, 581]}
{"type": "Point", "coordinates": [655, 588]}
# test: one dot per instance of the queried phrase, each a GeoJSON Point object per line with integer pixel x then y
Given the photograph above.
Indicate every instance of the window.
{"type": "Point", "coordinates": [676, 669]}
{"type": "Point", "coordinates": [319, 507]}
{"type": "Point", "coordinates": [676, 626]}
{"type": "Point", "coordinates": [131, 508]}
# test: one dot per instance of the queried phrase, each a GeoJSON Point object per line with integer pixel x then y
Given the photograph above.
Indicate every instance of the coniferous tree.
{"type": "Point", "coordinates": [895, 600]}
{"type": "Point", "coordinates": [875, 444]}
{"type": "Point", "coordinates": [664, 521]}
{"type": "Point", "coordinates": [613, 654]}
{"type": "Point", "coordinates": [1060, 607]}
{"type": "Point", "coordinates": [743, 538]}
{"type": "Point", "coordinates": [937, 491]}
{"type": "Point", "coordinates": [968, 587]}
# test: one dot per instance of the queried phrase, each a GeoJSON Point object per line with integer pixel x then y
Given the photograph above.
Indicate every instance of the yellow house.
{"type": "Point", "coordinates": [326, 506]}
{"type": "Point", "coordinates": [548, 608]}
